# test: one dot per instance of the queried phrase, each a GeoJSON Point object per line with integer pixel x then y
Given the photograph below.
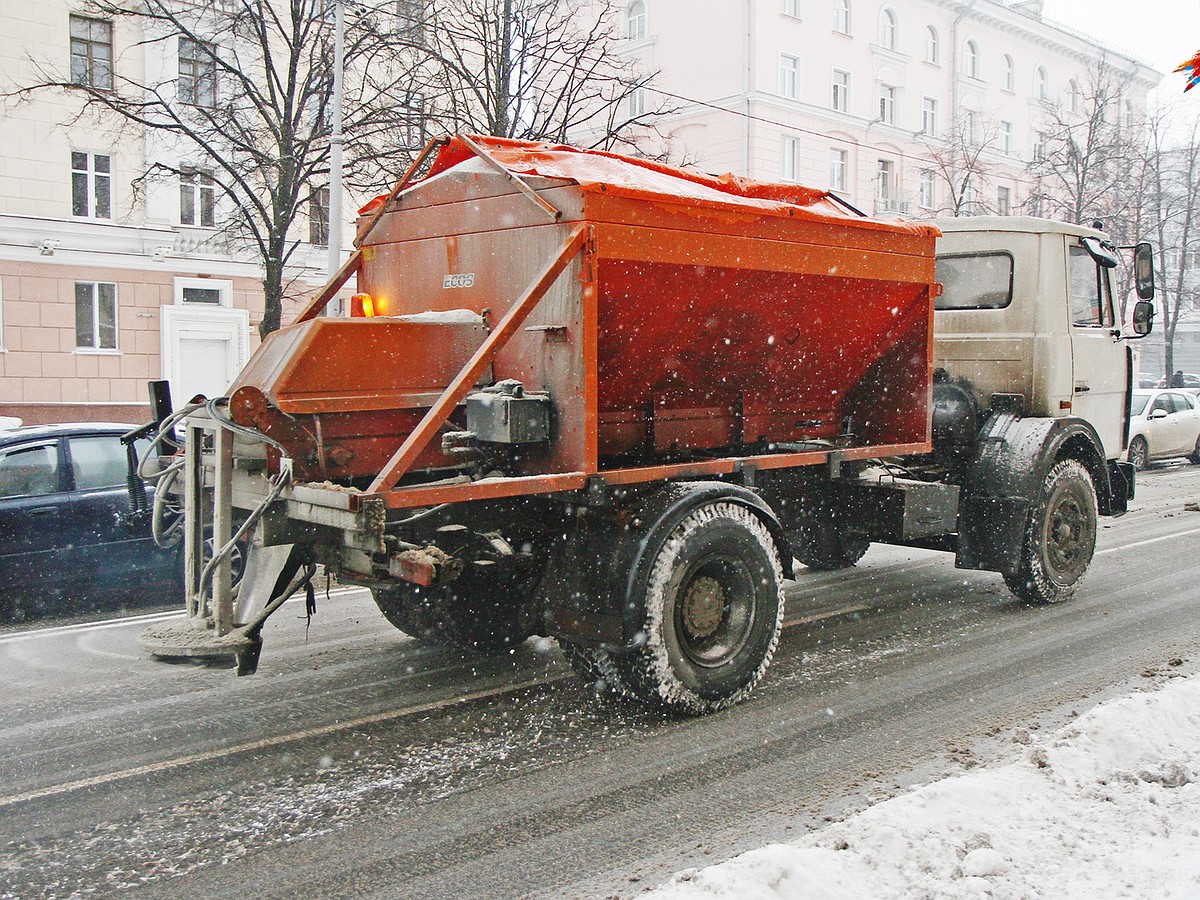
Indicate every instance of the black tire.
{"type": "Point", "coordinates": [473, 612]}
{"type": "Point", "coordinates": [713, 600]}
{"type": "Point", "coordinates": [1060, 536]}
{"type": "Point", "coordinates": [1194, 459]}
{"type": "Point", "coordinates": [824, 543]}
{"type": "Point", "coordinates": [1139, 453]}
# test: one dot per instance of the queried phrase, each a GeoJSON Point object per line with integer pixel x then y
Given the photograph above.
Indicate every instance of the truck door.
{"type": "Point", "coordinates": [1098, 358]}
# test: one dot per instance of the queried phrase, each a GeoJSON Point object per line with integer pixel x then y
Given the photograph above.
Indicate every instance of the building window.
{"type": "Point", "coordinates": [971, 59]}
{"type": "Point", "coordinates": [1006, 137]}
{"type": "Point", "coordinates": [969, 127]}
{"type": "Point", "coordinates": [837, 169]}
{"type": "Point", "coordinates": [203, 292]}
{"type": "Point", "coordinates": [1041, 84]}
{"type": "Point", "coordinates": [197, 198]}
{"type": "Point", "coordinates": [1039, 146]}
{"type": "Point", "coordinates": [841, 90]}
{"type": "Point", "coordinates": [790, 7]}
{"type": "Point", "coordinates": [887, 104]}
{"type": "Point", "coordinates": [790, 150]}
{"type": "Point", "coordinates": [411, 122]}
{"type": "Point", "coordinates": [95, 316]}
{"type": "Point", "coordinates": [318, 217]}
{"type": "Point", "coordinates": [410, 20]}
{"type": "Point", "coordinates": [1003, 201]}
{"type": "Point", "coordinates": [789, 75]}
{"type": "Point", "coordinates": [637, 103]}
{"type": "Point", "coordinates": [841, 16]}
{"type": "Point", "coordinates": [91, 52]}
{"type": "Point", "coordinates": [929, 116]}
{"type": "Point", "coordinates": [91, 185]}
{"type": "Point", "coordinates": [1073, 96]}
{"type": "Point", "coordinates": [925, 189]}
{"type": "Point", "coordinates": [888, 29]}
{"type": "Point", "coordinates": [1127, 114]}
{"type": "Point", "coordinates": [197, 84]}
{"type": "Point", "coordinates": [635, 21]}
{"type": "Point", "coordinates": [931, 44]}
{"type": "Point", "coordinates": [1007, 72]}
{"type": "Point", "coordinates": [970, 200]}
{"type": "Point", "coordinates": [885, 184]}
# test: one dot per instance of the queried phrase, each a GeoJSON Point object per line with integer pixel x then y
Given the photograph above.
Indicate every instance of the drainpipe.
{"type": "Point", "coordinates": [747, 9]}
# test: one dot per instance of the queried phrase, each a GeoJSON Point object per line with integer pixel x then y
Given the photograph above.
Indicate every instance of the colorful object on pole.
{"type": "Point", "coordinates": [1191, 68]}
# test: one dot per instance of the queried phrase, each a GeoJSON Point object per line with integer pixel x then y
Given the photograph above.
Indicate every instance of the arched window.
{"type": "Point", "coordinates": [1009, 72]}
{"type": "Point", "coordinates": [841, 16]}
{"type": "Point", "coordinates": [635, 21]}
{"type": "Point", "coordinates": [971, 59]}
{"type": "Point", "coordinates": [1041, 83]}
{"type": "Point", "coordinates": [888, 29]}
{"type": "Point", "coordinates": [931, 44]}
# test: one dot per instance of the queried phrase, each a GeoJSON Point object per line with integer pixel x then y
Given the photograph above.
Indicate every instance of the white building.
{"type": "Point", "coordinates": [859, 96]}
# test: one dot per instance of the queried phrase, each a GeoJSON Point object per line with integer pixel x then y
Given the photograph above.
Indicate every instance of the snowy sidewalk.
{"type": "Point", "coordinates": [1109, 806]}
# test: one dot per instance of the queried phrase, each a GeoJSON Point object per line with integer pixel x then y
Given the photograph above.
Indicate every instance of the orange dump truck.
{"type": "Point", "coordinates": [602, 399]}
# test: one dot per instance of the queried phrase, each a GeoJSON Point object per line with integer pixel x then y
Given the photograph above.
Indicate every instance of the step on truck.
{"type": "Point", "coordinates": [610, 401]}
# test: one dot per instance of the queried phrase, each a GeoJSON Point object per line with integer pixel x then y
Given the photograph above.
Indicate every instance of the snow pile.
{"type": "Point", "coordinates": [1107, 807]}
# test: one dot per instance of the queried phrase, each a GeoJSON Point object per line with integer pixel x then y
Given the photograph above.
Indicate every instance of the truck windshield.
{"type": "Point", "coordinates": [975, 281]}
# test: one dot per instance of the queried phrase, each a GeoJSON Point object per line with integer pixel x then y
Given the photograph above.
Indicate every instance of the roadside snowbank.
{"type": "Point", "coordinates": [1109, 806]}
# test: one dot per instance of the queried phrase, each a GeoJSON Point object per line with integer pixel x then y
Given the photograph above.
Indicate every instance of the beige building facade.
{"type": "Point", "coordinates": [108, 281]}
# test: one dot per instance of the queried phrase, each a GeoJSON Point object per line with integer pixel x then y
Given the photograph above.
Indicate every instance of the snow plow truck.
{"type": "Point", "coordinates": [610, 401]}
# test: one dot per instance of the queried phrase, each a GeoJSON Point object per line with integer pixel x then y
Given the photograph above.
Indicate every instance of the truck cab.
{"type": "Point", "coordinates": [1028, 308]}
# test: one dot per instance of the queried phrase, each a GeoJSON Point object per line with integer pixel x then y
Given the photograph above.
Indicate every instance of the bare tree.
{"type": "Point", "coordinates": [1089, 153]}
{"type": "Point", "coordinates": [247, 105]}
{"type": "Point", "coordinates": [535, 69]}
{"type": "Point", "coordinates": [959, 161]}
{"type": "Point", "coordinates": [1172, 212]}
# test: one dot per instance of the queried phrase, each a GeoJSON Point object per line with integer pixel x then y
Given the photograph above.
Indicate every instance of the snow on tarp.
{"type": "Point", "coordinates": [598, 170]}
{"type": "Point", "coordinates": [1109, 806]}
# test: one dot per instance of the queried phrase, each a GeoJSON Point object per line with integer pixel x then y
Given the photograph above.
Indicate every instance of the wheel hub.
{"type": "Point", "coordinates": [703, 607]}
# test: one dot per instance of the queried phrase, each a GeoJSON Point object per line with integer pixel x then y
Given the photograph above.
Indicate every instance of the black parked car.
{"type": "Point", "coordinates": [67, 539]}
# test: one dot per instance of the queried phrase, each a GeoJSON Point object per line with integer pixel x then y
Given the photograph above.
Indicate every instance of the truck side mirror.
{"type": "Point", "coordinates": [1143, 317]}
{"type": "Point", "coordinates": [1143, 272]}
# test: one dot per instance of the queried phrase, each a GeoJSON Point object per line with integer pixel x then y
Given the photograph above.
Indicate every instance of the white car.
{"type": "Point", "coordinates": [1163, 424]}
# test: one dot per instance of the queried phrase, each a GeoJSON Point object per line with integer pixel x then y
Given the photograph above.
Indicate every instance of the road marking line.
{"type": "Point", "coordinates": [266, 743]}
{"type": "Point", "coordinates": [1154, 540]}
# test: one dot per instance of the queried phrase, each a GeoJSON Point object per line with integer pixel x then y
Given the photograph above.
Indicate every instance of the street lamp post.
{"type": "Point", "coordinates": [335, 141]}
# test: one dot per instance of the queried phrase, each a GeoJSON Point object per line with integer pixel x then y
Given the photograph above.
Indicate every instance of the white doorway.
{"type": "Point", "coordinates": [203, 349]}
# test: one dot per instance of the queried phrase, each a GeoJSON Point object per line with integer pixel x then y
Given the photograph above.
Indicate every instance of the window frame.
{"type": "Point", "coordinates": [201, 80]}
{"type": "Point", "coordinates": [86, 74]}
{"type": "Point", "coordinates": [636, 27]}
{"type": "Point", "coordinates": [1008, 72]}
{"type": "Point", "coordinates": [925, 189]}
{"type": "Point", "coordinates": [840, 95]}
{"type": "Point", "coordinates": [929, 115]}
{"type": "Point", "coordinates": [1041, 83]}
{"type": "Point", "coordinates": [974, 255]}
{"type": "Point", "coordinates": [841, 16]}
{"type": "Point", "coordinates": [839, 166]}
{"type": "Point", "coordinates": [96, 320]}
{"type": "Point", "coordinates": [789, 158]}
{"type": "Point", "coordinates": [889, 29]}
{"type": "Point", "coordinates": [91, 181]}
{"type": "Point", "coordinates": [932, 45]}
{"type": "Point", "coordinates": [971, 58]}
{"type": "Point", "coordinates": [789, 76]}
{"type": "Point", "coordinates": [887, 103]}
{"type": "Point", "coordinates": [1104, 299]}
{"type": "Point", "coordinates": [224, 285]}
{"type": "Point", "coordinates": [200, 189]}
{"type": "Point", "coordinates": [409, 26]}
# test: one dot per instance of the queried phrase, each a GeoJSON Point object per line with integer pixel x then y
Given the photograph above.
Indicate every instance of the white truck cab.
{"type": "Point", "coordinates": [1029, 308]}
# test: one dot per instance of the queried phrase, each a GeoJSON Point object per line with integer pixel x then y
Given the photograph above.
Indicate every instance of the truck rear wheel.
{"type": "Point", "coordinates": [472, 612]}
{"type": "Point", "coordinates": [713, 603]}
{"type": "Point", "coordinates": [1060, 536]}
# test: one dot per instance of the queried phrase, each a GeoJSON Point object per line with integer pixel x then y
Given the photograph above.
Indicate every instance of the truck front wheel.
{"type": "Point", "coordinates": [713, 603]}
{"type": "Point", "coordinates": [1060, 536]}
